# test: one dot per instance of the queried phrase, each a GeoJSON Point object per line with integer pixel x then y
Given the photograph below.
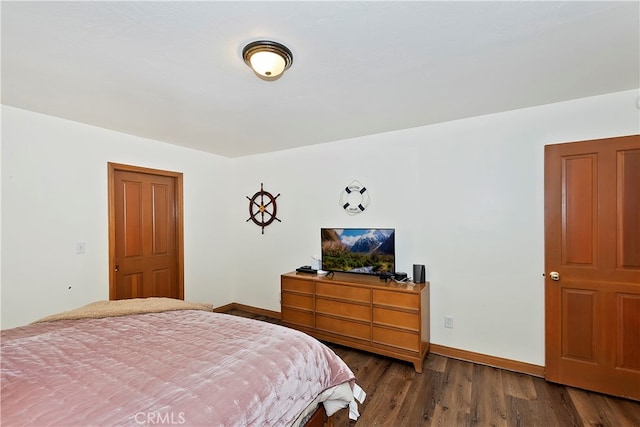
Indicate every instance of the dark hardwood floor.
{"type": "Point", "coordinates": [451, 392]}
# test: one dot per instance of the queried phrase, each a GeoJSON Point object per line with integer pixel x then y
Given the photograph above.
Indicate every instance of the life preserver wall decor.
{"type": "Point", "coordinates": [354, 198]}
{"type": "Point", "coordinates": [261, 213]}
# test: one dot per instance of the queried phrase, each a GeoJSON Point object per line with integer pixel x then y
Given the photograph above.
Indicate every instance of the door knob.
{"type": "Point", "coordinates": [117, 267]}
{"type": "Point", "coordinates": [554, 275]}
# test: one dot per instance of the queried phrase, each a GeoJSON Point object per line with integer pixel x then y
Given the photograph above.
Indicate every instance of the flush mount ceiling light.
{"type": "Point", "coordinates": [268, 59]}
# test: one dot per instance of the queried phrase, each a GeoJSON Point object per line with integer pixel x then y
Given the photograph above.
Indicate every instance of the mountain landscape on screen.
{"type": "Point", "coordinates": [358, 250]}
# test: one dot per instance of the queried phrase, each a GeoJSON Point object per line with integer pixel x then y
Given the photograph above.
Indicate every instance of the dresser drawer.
{"type": "Point", "coordinates": [297, 317]}
{"type": "Point", "coordinates": [298, 285]}
{"type": "Point", "coordinates": [344, 309]}
{"type": "Point", "coordinates": [352, 293]}
{"type": "Point", "coordinates": [400, 319]}
{"type": "Point", "coordinates": [394, 338]}
{"type": "Point", "coordinates": [343, 327]}
{"type": "Point", "coordinates": [297, 300]}
{"type": "Point", "coordinates": [396, 299]}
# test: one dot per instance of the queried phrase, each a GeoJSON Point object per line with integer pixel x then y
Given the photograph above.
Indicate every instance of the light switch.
{"type": "Point", "coordinates": [81, 247]}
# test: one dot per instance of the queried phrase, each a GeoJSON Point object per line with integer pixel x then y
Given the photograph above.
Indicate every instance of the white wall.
{"type": "Point", "coordinates": [54, 194]}
{"type": "Point", "coordinates": [465, 197]}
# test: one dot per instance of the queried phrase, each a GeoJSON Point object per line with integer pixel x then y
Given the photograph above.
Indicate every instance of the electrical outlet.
{"type": "Point", "coordinates": [81, 247]}
{"type": "Point", "coordinates": [448, 322]}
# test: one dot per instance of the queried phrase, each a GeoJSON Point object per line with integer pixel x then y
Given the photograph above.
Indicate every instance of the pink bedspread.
{"type": "Point", "coordinates": [191, 368]}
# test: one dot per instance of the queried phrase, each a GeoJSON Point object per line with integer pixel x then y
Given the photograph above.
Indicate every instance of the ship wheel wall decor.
{"type": "Point", "coordinates": [263, 208]}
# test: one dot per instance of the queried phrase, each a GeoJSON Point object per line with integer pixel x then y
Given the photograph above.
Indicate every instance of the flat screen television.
{"type": "Point", "coordinates": [358, 250]}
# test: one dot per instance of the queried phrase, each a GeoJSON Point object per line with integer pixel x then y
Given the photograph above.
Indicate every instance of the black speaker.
{"type": "Point", "coordinates": [419, 273]}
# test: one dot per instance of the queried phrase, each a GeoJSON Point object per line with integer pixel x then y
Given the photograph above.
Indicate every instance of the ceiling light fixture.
{"type": "Point", "coordinates": [268, 59]}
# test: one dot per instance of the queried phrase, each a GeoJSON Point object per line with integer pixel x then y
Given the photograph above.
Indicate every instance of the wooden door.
{"type": "Point", "coordinates": [592, 242]}
{"type": "Point", "coordinates": [145, 233]}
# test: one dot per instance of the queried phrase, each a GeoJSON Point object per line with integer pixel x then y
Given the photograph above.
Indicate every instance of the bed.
{"type": "Point", "coordinates": [158, 361]}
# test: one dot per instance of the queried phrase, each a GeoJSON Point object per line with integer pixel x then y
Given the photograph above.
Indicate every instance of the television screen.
{"type": "Point", "coordinates": [358, 250]}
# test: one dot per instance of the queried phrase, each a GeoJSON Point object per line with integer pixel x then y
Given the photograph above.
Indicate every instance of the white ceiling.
{"type": "Point", "coordinates": [173, 71]}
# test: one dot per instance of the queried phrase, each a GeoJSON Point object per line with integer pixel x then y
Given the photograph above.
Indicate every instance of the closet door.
{"type": "Point", "coordinates": [592, 257]}
{"type": "Point", "coordinates": [146, 234]}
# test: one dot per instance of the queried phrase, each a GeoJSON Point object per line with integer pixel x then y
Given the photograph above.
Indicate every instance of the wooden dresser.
{"type": "Point", "coordinates": [359, 311]}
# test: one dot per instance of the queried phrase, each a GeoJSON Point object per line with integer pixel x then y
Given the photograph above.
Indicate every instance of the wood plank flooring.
{"type": "Point", "coordinates": [451, 392]}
